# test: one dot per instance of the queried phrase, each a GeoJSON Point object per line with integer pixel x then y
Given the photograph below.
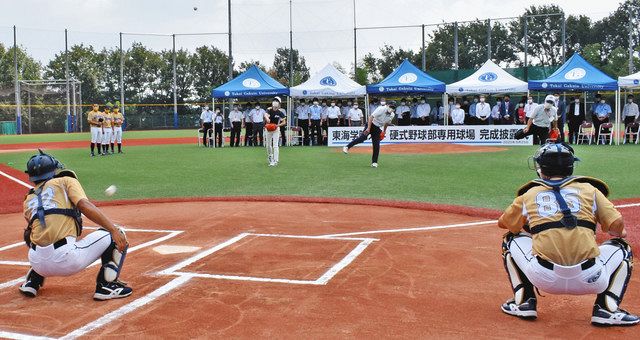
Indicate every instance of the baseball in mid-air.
{"type": "Point", "coordinates": [195, 8]}
{"type": "Point", "coordinates": [111, 190]}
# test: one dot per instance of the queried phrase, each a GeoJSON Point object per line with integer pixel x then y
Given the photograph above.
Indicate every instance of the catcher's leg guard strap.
{"type": "Point", "coordinates": [619, 279]}
{"type": "Point", "coordinates": [522, 287]}
{"type": "Point", "coordinates": [112, 263]}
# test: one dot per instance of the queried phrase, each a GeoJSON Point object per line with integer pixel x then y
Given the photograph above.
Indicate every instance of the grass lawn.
{"type": "Point", "coordinates": [475, 179]}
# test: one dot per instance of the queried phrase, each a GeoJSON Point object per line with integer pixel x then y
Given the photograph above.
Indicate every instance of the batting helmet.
{"type": "Point", "coordinates": [555, 159]}
{"type": "Point", "coordinates": [42, 167]}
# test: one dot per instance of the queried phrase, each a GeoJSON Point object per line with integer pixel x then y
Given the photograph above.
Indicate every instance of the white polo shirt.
{"type": "Point", "coordinates": [206, 116]}
{"type": "Point", "coordinates": [483, 110]}
{"type": "Point", "coordinates": [381, 117]}
{"type": "Point", "coordinates": [333, 112]}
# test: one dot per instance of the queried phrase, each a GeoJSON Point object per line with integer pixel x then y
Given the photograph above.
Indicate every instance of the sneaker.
{"type": "Point", "coordinates": [33, 282]}
{"type": "Point", "coordinates": [93, 155]}
{"type": "Point", "coordinates": [374, 165]}
{"type": "Point", "coordinates": [111, 290]}
{"type": "Point", "coordinates": [526, 310]}
{"type": "Point", "coordinates": [603, 317]}
{"type": "Point", "coordinates": [271, 164]}
{"type": "Point", "coordinates": [345, 149]}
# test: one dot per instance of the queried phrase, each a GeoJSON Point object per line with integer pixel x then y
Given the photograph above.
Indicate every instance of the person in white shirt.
{"type": "Point", "coordinates": [206, 124]}
{"type": "Point", "coordinates": [403, 113]}
{"type": "Point", "coordinates": [333, 114]}
{"type": "Point", "coordinates": [457, 115]}
{"type": "Point", "coordinates": [530, 106]}
{"type": "Point", "coordinates": [376, 127]}
{"type": "Point", "coordinates": [325, 122]}
{"type": "Point", "coordinates": [355, 116]}
{"type": "Point", "coordinates": [218, 122]}
{"type": "Point", "coordinates": [257, 118]}
{"type": "Point", "coordinates": [304, 120]}
{"type": "Point", "coordinates": [483, 111]}
{"type": "Point", "coordinates": [495, 112]}
{"type": "Point", "coordinates": [630, 111]}
{"type": "Point", "coordinates": [247, 124]}
{"type": "Point", "coordinates": [236, 117]}
{"type": "Point", "coordinates": [422, 111]}
{"type": "Point", "coordinates": [346, 109]}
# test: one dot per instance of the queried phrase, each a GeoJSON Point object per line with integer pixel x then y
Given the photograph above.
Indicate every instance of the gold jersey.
{"type": "Point", "coordinates": [537, 207]}
{"type": "Point", "coordinates": [94, 116]}
{"type": "Point", "coordinates": [57, 193]}
{"type": "Point", "coordinates": [118, 118]}
{"type": "Point", "coordinates": [108, 119]}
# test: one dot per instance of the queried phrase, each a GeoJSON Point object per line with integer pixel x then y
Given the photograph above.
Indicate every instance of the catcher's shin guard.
{"type": "Point", "coordinates": [112, 262]}
{"type": "Point", "coordinates": [611, 298]}
{"type": "Point", "coordinates": [522, 287]}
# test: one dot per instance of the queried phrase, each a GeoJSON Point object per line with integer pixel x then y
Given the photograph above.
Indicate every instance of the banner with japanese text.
{"type": "Point", "coordinates": [459, 134]}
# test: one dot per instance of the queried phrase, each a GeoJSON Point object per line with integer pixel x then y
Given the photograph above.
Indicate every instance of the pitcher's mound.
{"type": "Point", "coordinates": [426, 148]}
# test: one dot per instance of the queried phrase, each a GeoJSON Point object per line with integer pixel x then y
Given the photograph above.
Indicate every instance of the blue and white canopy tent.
{"type": "Point", "coordinates": [251, 83]}
{"type": "Point", "coordinates": [630, 82]}
{"type": "Point", "coordinates": [578, 75]}
{"type": "Point", "coordinates": [407, 78]}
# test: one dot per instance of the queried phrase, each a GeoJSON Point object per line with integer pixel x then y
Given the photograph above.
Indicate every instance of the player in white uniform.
{"type": "Point", "coordinates": [118, 120]}
{"type": "Point", "coordinates": [95, 119]}
{"type": "Point", "coordinates": [107, 129]}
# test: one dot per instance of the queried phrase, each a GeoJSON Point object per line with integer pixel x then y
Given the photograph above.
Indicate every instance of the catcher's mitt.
{"type": "Point", "coordinates": [271, 127]}
{"type": "Point", "coordinates": [382, 135]}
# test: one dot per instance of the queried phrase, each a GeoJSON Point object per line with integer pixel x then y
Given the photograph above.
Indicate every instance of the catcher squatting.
{"type": "Point", "coordinates": [53, 210]}
{"type": "Point", "coordinates": [551, 243]}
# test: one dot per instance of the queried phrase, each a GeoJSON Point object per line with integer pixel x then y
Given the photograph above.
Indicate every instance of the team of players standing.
{"type": "Point", "coordinates": [106, 129]}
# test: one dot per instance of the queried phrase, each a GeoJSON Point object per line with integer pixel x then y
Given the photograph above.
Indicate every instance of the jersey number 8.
{"type": "Point", "coordinates": [548, 205]}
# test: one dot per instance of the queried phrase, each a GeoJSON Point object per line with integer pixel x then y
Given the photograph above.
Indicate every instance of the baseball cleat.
{"type": "Point", "coordinates": [345, 149]}
{"type": "Point", "coordinates": [603, 317]}
{"type": "Point", "coordinates": [374, 165]}
{"type": "Point", "coordinates": [111, 290]}
{"type": "Point", "coordinates": [33, 282]}
{"type": "Point", "coordinates": [526, 310]}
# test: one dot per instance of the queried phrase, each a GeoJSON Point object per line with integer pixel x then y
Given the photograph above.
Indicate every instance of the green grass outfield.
{"type": "Point", "coordinates": [475, 179]}
{"type": "Point", "coordinates": [61, 137]}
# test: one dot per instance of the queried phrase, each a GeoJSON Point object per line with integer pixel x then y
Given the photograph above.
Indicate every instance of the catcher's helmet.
{"type": "Point", "coordinates": [42, 167]}
{"type": "Point", "coordinates": [555, 159]}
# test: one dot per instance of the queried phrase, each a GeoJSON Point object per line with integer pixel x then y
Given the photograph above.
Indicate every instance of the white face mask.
{"type": "Point", "coordinates": [275, 105]}
{"type": "Point", "coordinates": [257, 107]}
{"type": "Point", "coordinates": [547, 105]}
{"type": "Point", "coordinates": [383, 103]}
{"type": "Point", "coordinates": [630, 100]}
{"type": "Point", "coordinates": [333, 104]}
{"type": "Point", "coordinates": [355, 106]}
{"type": "Point", "coordinates": [482, 100]}
{"type": "Point", "coordinates": [530, 101]}
{"type": "Point", "coordinates": [577, 101]}
{"type": "Point", "coordinates": [348, 103]}
{"type": "Point", "coordinates": [422, 101]}
{"type": "Point", "coordinates": [457, 106]}
{"type": "Point", "coordinates": [402, 103]}
{"type": "Point", "coordinates": [315, 103]}
{"type": "Point", "coordinates": [602, 102]}
{"type": "Point", "coordinates": [521, 105]}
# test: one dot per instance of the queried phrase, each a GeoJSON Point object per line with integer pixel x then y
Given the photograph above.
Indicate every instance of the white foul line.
{"type": "Point", "coordinates": [12, 335]}
{"type": "Point", "coordinates": [26, 185]}
{"type": "Point", "coordinates": [628, 205]}
{"type": "Point", "coordinates": [344, 262]}
{"type": "Point", "coordinates": [11, 246]}
{"type": "Point", "coordinates": [15, 263]}
{"type": "Point", "coordinates": [128, 308]}
{"type": "Point", "coordinates": [321, 237]}
{"type": "Point", "coordinates": [383, 231]}
{"type": "Point", "coordinates": [202, 255]}
{"type": "Point", "coordinates": [246, 278]}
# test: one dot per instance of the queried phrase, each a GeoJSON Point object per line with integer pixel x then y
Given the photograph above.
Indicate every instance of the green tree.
{"type": "Point", "coordinates": [184, 76]}
{"type": "Point", "coordinates": [246, 64]}
{"type": "Point", "coordinates": [281, 67]}
{"type": "Point", "coordinates": [544, 42]}
{"type": "Point", "coordinates": [613, 30]}
{"type": "Point", "coordinates": [28, 68]}
{"type": "Point", "coordinates": [84, 65]}
{"type": "Point", "coordinates": [209, 66]}
{"type": "Point", "coordinates": [142, 73]}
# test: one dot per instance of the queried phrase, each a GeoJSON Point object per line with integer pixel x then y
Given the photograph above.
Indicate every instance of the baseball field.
{"type": "Point", "coordinates": [321, 246]}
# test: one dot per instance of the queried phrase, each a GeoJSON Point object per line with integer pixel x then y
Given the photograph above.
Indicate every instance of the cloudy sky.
{"type": "Point", "coordinates": [323, 29]}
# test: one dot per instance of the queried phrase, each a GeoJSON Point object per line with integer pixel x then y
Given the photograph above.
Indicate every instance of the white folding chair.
{"type": "Point", "coordinates": [207, 136]}
{"type": "Point", "coordinates": [294, 135]}
{"type": "Point", "coordinates": [605, 130]}
{"type": "Point", "coordinates": [631, 132]}
{"type": "Point", "coordinates": [585, 133]}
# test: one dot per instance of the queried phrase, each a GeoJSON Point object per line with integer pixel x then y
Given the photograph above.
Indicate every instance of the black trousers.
{"type": "Point", "coordinates": [325, 128]}
{"type": "Point", "coordinates": [540, 134]}
{"type": "Point", "coordinates": [258, 134]}
{"type": "Point", "coordinates": [574, 128]}
{"type": "Point", "coordinates": [596, 125]}
{"type": "Point", "coordinates": [375, 141]}
{"type": "Point", "coordinates": [248, 133]}
{"type": "Point", "coordinates": [628, 120]}
{"type": "Point", "coordinates": [304, 130]}
{"type": "Point", "coordinates": [205, 129]}
{"type": "Point", "coordinates": [236, 129]}
{"type": "Point", "coordinates": [218, 136]}
{"type": "Point", "coordinates": [283, 135]}
{"type": "Point", "coordinates": [333, 121]}
{"type": "Point", "coordinates": [316, 130]}
{"type": "Point", "coordinates": [561, 131]}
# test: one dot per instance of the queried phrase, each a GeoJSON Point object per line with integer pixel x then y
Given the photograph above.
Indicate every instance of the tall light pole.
{"type": "Point", "coordinates": [17, 83]}
{"type": "Point", "coordinates": [355, 42]}
{"type": "Point", "coordinates": [175, 85]}
{"type": "Point", "coordinates": [230, 46]}
{"type": "Point", "coordinates": [290, 45]}
{"type": "Point", "coordinates": [66, 77]}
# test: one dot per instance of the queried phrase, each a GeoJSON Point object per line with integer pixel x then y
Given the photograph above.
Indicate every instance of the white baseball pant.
{"type": "Point", "coordinates": [116, 136]}
{"type": "Point", "coordinates": [96, 134]}
{"type": "Point", "coordinates": [272, 139]}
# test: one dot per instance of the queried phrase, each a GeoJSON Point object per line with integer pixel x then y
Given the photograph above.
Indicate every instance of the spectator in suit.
{"type": "Point", "coordinates": [507, 110]}
{"type": "Point", "coordinates": [470, 118]}
{"type": "Point", "coordinates": [576, 117]}
{"type": "Point", "coordinates": [562, 114]}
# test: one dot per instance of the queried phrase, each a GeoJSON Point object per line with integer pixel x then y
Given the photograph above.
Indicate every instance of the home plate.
{"type": "Point", "coordinates": [166, 250]}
